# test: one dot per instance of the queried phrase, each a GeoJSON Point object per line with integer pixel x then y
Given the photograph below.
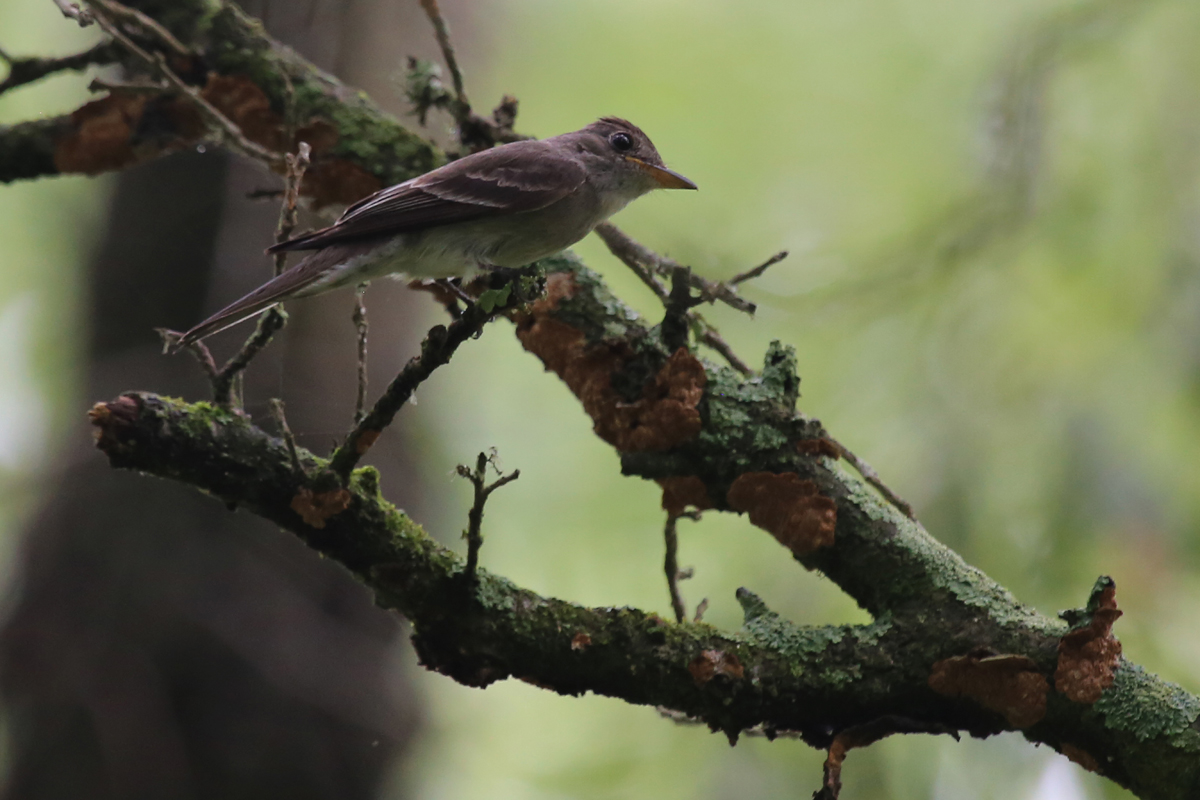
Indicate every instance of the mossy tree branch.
{"type": "Point", "coordinates": [949, 648]}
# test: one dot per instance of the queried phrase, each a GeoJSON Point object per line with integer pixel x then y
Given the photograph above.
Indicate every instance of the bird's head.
{"type": "Point", "coordinates": [621, 153]}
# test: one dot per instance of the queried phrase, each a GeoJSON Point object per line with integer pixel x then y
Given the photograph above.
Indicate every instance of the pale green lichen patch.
{"type": "Point", "coordinates": [945, 569]}
{"type": "Point", "coordinates": [495, 593]}
{"type": "Point", "coordinates": [766, 628]}
{"type": "Point", "coordinates": [1146, 705]}
{"type": "Point", "coordinates": [365, 480]}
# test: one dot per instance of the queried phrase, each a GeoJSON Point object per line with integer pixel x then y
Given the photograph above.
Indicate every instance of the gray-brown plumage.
{"type": "Point", "coordinates": [507, 207]}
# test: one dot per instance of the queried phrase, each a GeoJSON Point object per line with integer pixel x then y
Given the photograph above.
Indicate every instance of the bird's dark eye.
{"type": "Point", "coordinates": [621, 141]}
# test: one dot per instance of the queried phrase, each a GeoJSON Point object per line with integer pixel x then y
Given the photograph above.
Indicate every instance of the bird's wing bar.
{"type": "Point", "coordinates": [523, 176]}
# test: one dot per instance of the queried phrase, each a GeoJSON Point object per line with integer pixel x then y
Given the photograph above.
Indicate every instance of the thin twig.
{"type": "Point", "coordinates": [275, 318]}
{"type": "Point", "coordinates": [27, 70]}
{"type": "Point", "coordinates": [671, 566]}
{"type": "Point", "coordinates": [269, 324]}
{"type": "Point", "coordinates": [639, 258]}
{"type": "Point", "coordinates": [226, 379]}
{"type": "Point", "coordinates": [264, 194]}
{"type": "Point", "coordinates": [872, 477]}
{"type": "Point", "coordinates": [425, 90]}
{"type": "Point", "coordinates": [156, 61]}
{"type": "Point", "coordinates": [751, 274]}
{"type": "Point", "coordinates": [474, 532]}
{"type": "Point", "coordinates": [442, 32]}
{"type": "Point", "coordinates": [290, 440]}
{"type": "Point", "coordinates": [297, 164]}
{"type": "Point", "coordinates": [360, 323]}
{"type": "Point", "coordinates": [709, 337]}
{"type": "Point", "coordinates": [198, 349]}
{"type": "Point", "coordinates": [631, 252]}
{"type": "Point", "coordinates": [628, 252]}
{"type": "Point", "coordinates": [148, 24]}
{"type": "Point", "coordinates": [863, 735]}
{"type": "Point", "coordinates": [148, 87]}
{"type": "Point", "coordinates": [700, 609]}
{"type": "Point", "coordinates": [73, 11]}
{"type": "Point", "coordinates": [439, 345]}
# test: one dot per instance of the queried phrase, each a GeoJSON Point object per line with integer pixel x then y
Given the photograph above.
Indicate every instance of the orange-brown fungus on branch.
{"type": "Point", "coordinates": [108, 418]}
{"type": "Point", "coordinates": [317, 507]}
{"type": "Point", "coordinates": [1007, 684]}
{"type": "Point", "coordinates": [666, 415]}
{"type": "Point", "coordinates": [683, 491]}
{"type": "Point", "coordinates": [101, 136]}
{"type": "Point", "coordinates": [1080, 756]}
{"type": "Point", "coordinates": [789, 508]}
{"type": "Point", "coordinates": [1088, 655]}
{"type": "Point", "coordinates": [580, 642]}
{"type": "Point", "coordinates": [248, 107]}
{"type": "Point", "coordinates": [818, 447]}
{"type": "Point", "coordinates": [712, 663]}
{"type": "Point", "coordinates": [368, 438]}
{"type": "Point", "coordinates": [331, 181]}
{"type": "Point", "coordinates": [832, 784]}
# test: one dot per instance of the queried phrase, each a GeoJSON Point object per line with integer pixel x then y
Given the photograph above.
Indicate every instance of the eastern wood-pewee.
{"type": "Point", "coordinates": [504, 207]}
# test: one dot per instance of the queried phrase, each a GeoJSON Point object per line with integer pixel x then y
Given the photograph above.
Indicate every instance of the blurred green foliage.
{"type": "Point", "coordinates": [45, 230]}
{"type": "Point", "coordinates": [994, 291]}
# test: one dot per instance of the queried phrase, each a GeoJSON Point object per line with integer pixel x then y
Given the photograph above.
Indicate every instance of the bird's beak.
{"type": "Point", "coordinates": [666, 178]}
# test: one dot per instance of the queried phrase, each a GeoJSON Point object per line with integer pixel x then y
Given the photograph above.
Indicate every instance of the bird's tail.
{"type": "Point", "coordinates": [273, 291]}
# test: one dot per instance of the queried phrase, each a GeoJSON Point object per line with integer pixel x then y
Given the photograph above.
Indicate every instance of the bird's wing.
{"type": "Point", "coordinates": [522, 176]}
{"type": "Point", "coordinates": [309, 270]}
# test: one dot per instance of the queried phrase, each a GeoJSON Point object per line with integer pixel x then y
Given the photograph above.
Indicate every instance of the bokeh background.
{"type": "Point", "coordinates": [994, 293]}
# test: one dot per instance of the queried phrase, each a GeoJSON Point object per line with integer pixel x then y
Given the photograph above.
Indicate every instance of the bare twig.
{"type": "Point", "coordinates": [474, 532]}
{"type": "Point", "coordinates": [147, 24]}
{"type": "Point", "coordinates": [360, 323]}
{"type": "Point", "coordinates": [700, 609]}
{"type": "Point", "coordinates": [751, 274]}
{"type": "Point", "coordinates": [640, 260]}
{"type": "Point", "coordinates": [863, 735]}
{"type": "Point", "coordinates": [297, 164]}
{"type": "Point", "coordinates": [671, 566]}
{"type": "Point", "coordinates": [269, 324]}
{"type": "Point", "coordinates": [275, 318]}
{"type": "Point", "coordinates": [147, 87]}
{"type": "Point", "coordinates": [872, 477]}
{"type": "Point", "coordinates": [73, 11]}
{"type": "Point", "coordinates": [436, 350]}
{"type": "Point", "coordinates": [226, 379]}
{"type": "Point", "coordinates": [229, 130]}
{"type": "Point", "coordinates": [425, 90]}
{"type": "Point", "coordinates": [632, 252]}
{"type": "Point", "coordinates": [288, 438]}
{"type": "Point", "coordinates": [27, 70]}
{"type": "Point", "coordinates": [709, 336]}
{"type": "Point", "coordinates": [264, 194]}
{"type": "Point", "coordinates": [198, 349]}
{"type": "Point", "coordinates": [442, 32]}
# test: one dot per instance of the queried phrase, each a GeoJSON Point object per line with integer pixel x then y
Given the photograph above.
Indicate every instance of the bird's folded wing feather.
{"type": "Point", "coordinates": [523, 176]}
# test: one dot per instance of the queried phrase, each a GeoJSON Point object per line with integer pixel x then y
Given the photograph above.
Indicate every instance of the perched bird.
{"type": "Point", "coordinates": [504, 207]}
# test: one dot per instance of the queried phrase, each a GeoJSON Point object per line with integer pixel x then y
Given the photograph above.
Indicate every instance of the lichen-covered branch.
{"type": "Point", "coordinates": [251, 80]}
{"type": "Point", "coordinates": [22, 71]}
{"type": "Point", "coordinates": [817, 681]}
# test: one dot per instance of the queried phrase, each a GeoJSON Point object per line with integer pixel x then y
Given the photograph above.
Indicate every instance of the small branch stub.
{"type": "Point", "coordinates": [478, 478]}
